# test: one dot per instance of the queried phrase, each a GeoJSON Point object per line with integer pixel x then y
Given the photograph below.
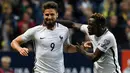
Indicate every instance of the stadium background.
{"type": "Point", "coordinates": [16, 16]}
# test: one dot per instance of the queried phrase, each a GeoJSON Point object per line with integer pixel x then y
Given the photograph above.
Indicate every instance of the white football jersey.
{"type": "Point", "coordinates": [108, 63]}
{"type": "Point", "coordinates": [48, 47]}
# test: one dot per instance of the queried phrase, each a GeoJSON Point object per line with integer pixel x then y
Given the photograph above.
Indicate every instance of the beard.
{"type": "Point", "coordinates": [50, 23]}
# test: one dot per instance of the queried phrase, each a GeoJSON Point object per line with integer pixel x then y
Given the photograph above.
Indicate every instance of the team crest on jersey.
{"type": "Point", "coordinates": [105, 43]}
{"type": "Point", "coordinates": [61, 37]}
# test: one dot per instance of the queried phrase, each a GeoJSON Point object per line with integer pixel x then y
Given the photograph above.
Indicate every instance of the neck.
{"type": "Point", "coordinates": [101, 33]}
{"type": "Point", "coordinates": [98, 34]}
{"type": "Point", "coordinates": [51, 27]}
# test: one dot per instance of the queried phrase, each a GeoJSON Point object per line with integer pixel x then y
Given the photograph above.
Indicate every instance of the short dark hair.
{"type": "Point", "coordinates": [100, 19]}
{"type": "Point", "coordinates": [50, 5]}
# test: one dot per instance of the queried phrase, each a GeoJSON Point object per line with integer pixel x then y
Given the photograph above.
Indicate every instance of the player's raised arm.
{"type": "Point", "coordinates": [70, 24]}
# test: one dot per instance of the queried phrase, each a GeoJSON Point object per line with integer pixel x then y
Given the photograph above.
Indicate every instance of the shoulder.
{"type": "Point", "coordinates": [33, 30]}
{"type": "Point", "coordinates": [62, 26]}
{"type": "Point", "coordinates": [84, 27]}
{"type": "Point", "coordinates": [109, 35]}
{"type": "Point", "coordinates": [36, 28]}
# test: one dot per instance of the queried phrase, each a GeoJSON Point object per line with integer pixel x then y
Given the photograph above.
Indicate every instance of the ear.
{"type": "Point", "coordinates": [103, 28]}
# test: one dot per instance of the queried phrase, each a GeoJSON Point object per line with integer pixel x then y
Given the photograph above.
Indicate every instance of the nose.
{"type": "Point", "coordinates": [49, 17]}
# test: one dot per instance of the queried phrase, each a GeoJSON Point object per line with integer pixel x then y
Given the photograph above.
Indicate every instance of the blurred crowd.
{"type": "Point", "coordinates": [16, 16]}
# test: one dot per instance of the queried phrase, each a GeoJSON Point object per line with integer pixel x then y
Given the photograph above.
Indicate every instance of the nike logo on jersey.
{"type": "Point", "coordinates": [41, 38]}
{"type": "Point", "coordinates": [60, 37]}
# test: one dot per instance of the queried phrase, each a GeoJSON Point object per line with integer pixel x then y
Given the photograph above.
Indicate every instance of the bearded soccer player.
{"type": "Point", "coordinates": [49, 40]}
{"type": "Point", "coordinates": [103, 42]}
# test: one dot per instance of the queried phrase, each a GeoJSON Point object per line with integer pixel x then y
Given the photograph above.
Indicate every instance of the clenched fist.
{"type": "Point", "coordinates": [23, 51]}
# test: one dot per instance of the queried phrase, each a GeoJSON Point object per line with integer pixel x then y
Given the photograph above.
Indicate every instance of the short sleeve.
{"type": "Point", "coordinates": [67, 41]}
{"type": "Point", "coordinates": [28, 35]}
{"type": "Point", "coordinates": [84, 28]}
{"type": "Point", "coordinates": [105, 43]}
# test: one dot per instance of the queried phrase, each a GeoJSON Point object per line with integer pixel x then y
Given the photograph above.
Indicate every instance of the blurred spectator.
{"type": "Point", "coordinates": [127, 30]}
{"type": "Point", "coordinates": [5, 62]}
{"type": "Point", "coordinates": [69, 13]}
{"type": "Point", "coordinates": [12, 2]}
{"type": "Point", "coordinates": [108, 8]}
{"type": "Point", "coordinates": [29, 10]}
{"type": "Point", "coordinates": [8, 34]}
{"type": "Point", "coordinates": [22, 7]}
{"type": "Point", "coordinates": [7, 14]}
{"type": "Point", "coordinates": [85, 4]}
{"type": "Point", "coordinates": [118, 32]}
{"type": "Point", "coordinates": [38, 15]}
{"type": "Point", "coordinates": [74, 3]}
{"type": "Point", "coordinates": [25, 20]}
{"type": "Point", "coordinates": [66, 2]}
{"type": "Point", "coordinates": [86, 9]}
{"type": "Point", "coordinates": [96, 4]}
{"type": "Point", "coordinates": [127, 70]}
{"type": "Point", "coordinates": [86, 14]}
{"type": "Point", "coordinates": [124, 14]}
{"type": "Point", "coordinates": [25, 4]}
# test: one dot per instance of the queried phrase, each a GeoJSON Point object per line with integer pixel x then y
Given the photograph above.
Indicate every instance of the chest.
{"type": "Point", "coordinates": [51, 38]}
{"type": "Point", "coordinates": [95, 41]}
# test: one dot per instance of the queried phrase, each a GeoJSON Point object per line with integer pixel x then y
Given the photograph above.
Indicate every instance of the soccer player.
{"type": "Point", "coordinates": [49, 40]}
{"type": "Point", "coordinates": [105, 52]}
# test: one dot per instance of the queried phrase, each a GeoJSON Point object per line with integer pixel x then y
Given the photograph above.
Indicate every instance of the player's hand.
{"type": "Point", "coordinates": [87, 45]}
{"type": "Point", "coordinates": [23, 51]}
{"type": "Point", "coordinates": [80, 48]}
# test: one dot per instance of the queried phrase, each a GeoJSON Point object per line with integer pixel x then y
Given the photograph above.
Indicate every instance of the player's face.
{"type": "Point", "coordinates": [92, 27]}
{"type": "Point", "coordinates": [50, 16]}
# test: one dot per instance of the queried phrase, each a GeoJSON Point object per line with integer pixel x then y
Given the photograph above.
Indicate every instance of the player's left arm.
{"type": "Point", "coordinates": [102, 47]}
